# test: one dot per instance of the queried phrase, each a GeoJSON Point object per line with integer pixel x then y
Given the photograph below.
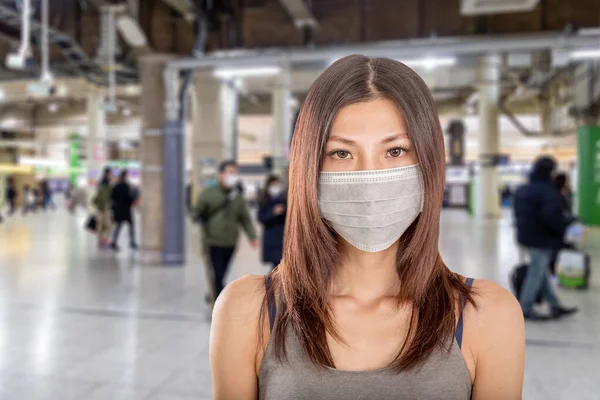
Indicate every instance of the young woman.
{"type": "Point", "coordinates": [362, 305]}
{"type": "Point", "coordinates": [271, 214]}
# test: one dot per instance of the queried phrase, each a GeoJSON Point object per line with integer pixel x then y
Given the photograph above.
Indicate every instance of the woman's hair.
{"type": "Point", "coordinates": [264, 196]}
{"type": "Point", "coordinates": [302, 282]}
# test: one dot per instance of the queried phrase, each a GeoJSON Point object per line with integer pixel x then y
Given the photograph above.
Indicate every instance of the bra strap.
{"type": "Point", "coordinates": [459, 327]}
{"type": "Point", "coordinates": [271, 306]}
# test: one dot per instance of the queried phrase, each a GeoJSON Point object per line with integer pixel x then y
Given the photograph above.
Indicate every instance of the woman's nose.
{"type": "Point", "coordinates": [369, 161]}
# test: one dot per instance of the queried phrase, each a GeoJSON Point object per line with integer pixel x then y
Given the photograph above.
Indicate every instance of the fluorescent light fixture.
{"type": "Point", "coordinates": [42, 162]}
{"type": "Point", "coordinates": [62, 90]}
{"type": "Point", "coordinates": [585, 54]}
{"type": "Point", "coordinates": [53, 107]}
{"type": "Point", "coordinates": [228, 73]}
{"type": "Point", "coordinates": [430, 62]}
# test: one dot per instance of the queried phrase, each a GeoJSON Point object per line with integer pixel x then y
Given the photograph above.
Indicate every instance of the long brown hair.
{"type": "Point", "coordinates": [303, 280]}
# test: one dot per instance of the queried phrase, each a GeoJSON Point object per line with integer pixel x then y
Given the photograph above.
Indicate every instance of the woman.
{"type": "Point", "coordinates": [561, 181]}
{"type": "Point", "coordinates": [103, 206]}
{"type": "Point", "coordinates": [271, 213]}
{"type": "Point", "coordinates": [362, 305]}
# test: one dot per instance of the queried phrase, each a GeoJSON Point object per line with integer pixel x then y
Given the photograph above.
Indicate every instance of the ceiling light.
{"type": "Point", "coordinates": [585, 54]}
{"type": "Point", "coordinates": [126, 112]}
{"type": "Point", "coordinates": [228, 73]}
{"type": "Point", "coordinates": [430, 62]}
{"type": "Point", "coordinates": [53, 107]}
{"type": "Point", "coordinates": [42, 162]}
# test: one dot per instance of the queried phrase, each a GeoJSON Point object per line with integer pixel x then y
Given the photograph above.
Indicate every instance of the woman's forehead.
{"type": "Point", "coordinates": [369, 120]}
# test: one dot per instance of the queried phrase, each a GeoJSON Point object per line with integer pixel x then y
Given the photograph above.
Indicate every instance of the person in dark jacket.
{"type": "Point", "coordinates": [541, 226]}
{"type": "Point", "coordinates": [122, 201]}
{"type": "Point", "coordinates": [11, 196]}
{"type": "Point", "coordinates": [221, 211]}
{"type": "Point", "coordinates": [271, 214]}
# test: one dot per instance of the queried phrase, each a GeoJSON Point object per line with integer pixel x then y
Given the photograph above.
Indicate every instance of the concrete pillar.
{"type": "Point", "coordinates": [487, 198]}
{"type": "Point", "coordinates": [153, 118]}
{"type": "Point", "coordinates": [96, 135]}
{"type": "Point", "coordinates": [282, 122]}
{"type": "Point", "coordinates": [214, 121]}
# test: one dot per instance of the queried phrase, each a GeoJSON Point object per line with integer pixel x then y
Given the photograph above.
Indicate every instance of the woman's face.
{"type": "Point", "coordinates": [368, 136]}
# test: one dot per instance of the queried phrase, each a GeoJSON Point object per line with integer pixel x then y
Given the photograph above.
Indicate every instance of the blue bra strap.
{"type": "Point", "coordinates": [459, 327]}
{"type": "Point", "coordinates": [272, 307]}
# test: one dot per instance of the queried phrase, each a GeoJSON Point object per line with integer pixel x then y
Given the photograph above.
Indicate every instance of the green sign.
{"type": "Point", "coordinates": [74, 159]}
{"type": "Point", "coordinates": [588, 188]}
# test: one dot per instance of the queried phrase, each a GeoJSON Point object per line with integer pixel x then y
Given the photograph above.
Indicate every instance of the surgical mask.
{"type": "Point", "coordinates": [232, 180]}
{"type": "Point", "coordinates": [371, 209]}
{"type": "Point", "coordinates": [275, 191]}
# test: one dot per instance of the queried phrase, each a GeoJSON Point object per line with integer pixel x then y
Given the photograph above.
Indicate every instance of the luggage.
{"type": "Point", "coordinates": [92, 223]}
{"type": "Point", "coordinates": [517, 279]}
{"type": "Point", "coordinates": [573, 269]}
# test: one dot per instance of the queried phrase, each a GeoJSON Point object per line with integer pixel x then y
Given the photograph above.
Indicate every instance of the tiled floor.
{"type": "Point", "coordinates": [77, 323]}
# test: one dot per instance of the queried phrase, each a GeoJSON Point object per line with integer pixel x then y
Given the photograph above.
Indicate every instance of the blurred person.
{"type": "Point", "coordinates": [362, 304]}
{"type": "Point", "coordinates": [11, 196]}
{"type": "Point", "coordinates": [541, 225]}
{"type": "Point", "coordinates": [271, 214]}
{"type": "Point", "coordinates": [102, 203]}
{"type": "Point", "coordinates": [122, 202]}
{"type": "Point", "coordinates": [47, 196]}
{"type": "Point", "coordinates": [28, 200]}
{"type": "Point", "coordinates": [561, 181]}
{"type": "Point", "coordinates": [221, 210]}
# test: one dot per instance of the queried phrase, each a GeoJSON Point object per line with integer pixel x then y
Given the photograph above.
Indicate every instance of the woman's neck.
{"type": "Point", "coordinates": [366, 276]}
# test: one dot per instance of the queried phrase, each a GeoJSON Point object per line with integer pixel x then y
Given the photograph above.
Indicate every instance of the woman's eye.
{"type": "Point", "coordinates": [397, 152]}
{"type": "Point", "coordinates": [342, 154]}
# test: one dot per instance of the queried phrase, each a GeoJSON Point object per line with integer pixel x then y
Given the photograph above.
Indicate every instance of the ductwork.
{"type": "Point", "coordinates": [300, 13]}
{"type": "Point", "coordinates": [487, 7]}
{"type": "Point", "coordinates": [184, 7]}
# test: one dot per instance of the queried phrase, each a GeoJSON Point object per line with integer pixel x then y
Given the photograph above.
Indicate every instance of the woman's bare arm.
{"type": "Point", "coordinates": [496, 337]}
{"type": "Point", "coordinates": [234, 338]}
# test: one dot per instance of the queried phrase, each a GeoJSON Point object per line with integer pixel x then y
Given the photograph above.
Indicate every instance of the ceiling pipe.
{"type": "Point", "coordinates": [412, 48]}
{"type": "Point", "coordinates": [20, 59]}
{"type": "Point", "coordinates": [46, 75]}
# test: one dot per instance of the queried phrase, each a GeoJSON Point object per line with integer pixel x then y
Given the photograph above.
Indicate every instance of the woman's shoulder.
{"type": "Point", "coordinates": [246, 292]}
{"type": "Point", "coordinates": [494, 303]}
{"type": "Point", "coordinates": [240, 303]}
{"type": "Point", "coordinates": [496, 317]}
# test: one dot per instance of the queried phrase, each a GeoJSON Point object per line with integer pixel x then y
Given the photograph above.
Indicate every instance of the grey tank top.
{"type": "Point", "coordinates": [444, 375]}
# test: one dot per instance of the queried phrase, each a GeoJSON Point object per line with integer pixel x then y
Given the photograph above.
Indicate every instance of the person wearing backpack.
{"type": "Point", "coordinates": [221, 211]}
{"type": "Point", "coordinates": [541, 226]}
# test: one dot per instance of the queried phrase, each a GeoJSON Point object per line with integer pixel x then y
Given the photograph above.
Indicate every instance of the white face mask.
{"type": "Point", "coordinates": [371, 209]}
{"type": "Point", "coordinates": [275, 191]}
{"type": "Point", "coordinates": [232, 180]}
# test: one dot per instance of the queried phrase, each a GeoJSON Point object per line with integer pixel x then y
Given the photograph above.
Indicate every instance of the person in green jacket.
{"type": "Point", "coordinates": [221, 211]}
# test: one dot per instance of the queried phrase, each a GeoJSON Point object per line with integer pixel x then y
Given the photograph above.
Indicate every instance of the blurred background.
{"type": "Point", "coordinates": [168, 89]}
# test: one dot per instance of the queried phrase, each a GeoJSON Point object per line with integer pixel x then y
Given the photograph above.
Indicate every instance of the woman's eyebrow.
{"type": "Point", "coordinates": [342, 140]}
{"type": "Point", "coordinates": [394, 137]}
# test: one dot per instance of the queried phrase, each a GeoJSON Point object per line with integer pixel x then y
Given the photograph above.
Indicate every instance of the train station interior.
{"type": "Point", "coordinates": [167, 90]}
